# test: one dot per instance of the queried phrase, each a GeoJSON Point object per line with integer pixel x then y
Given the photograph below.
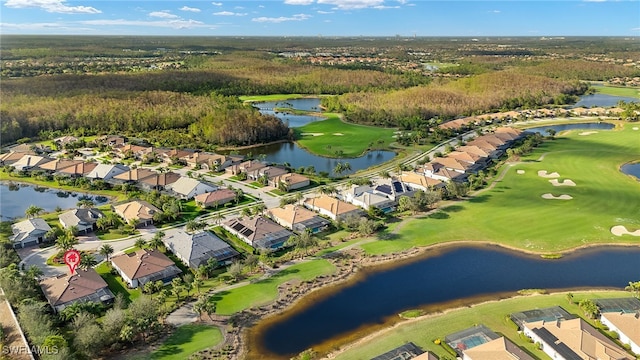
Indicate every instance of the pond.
{"type": "Point", "coordinates": [631, 169]}
{"type": "Point", "coordinates": [445, 275]}
{"type": "Point", "coordinates": [602, 100]}
{"type": "Point", "coordinates": [16, 198]}
{"type": "Point", "coordinates": [581, 126]}
{"type": "Point", "coordinates": [293, 120]}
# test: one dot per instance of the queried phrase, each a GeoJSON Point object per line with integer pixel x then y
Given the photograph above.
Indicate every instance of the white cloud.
{"type": "Point", "coordinates": [186, 8]}
{"type": "Point", "coordinates": [52, 6]}
{"type": "Point", "coordinates": [229, 13]}
{"type": "Point", "coordinates": [325, 12]}
{"type": "Point", "coordinates": [216, 4]}
{"type": "Point", "coordinates": [297, 17]}
{"type": "Point", "coordinates": [164, 14]}
{"type": "Point", "coordinates": [635, 29]}
{"type": "Point", "coordinates": [594, 0]}
{"type": "Point", "coordinates": [495, 11]}
{"type": "Point", "coordinates": [383, 7]}
{"type": "Point", "coordinates": [352, 4]}
{"type": "Point", "coordinates": [175, 24]}
{"type": "Point", "coordinates": [298, 2]}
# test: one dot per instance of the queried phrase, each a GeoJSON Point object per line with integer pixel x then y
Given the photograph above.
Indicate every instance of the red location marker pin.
{"type": "Point", "coordinates": [72, 259]}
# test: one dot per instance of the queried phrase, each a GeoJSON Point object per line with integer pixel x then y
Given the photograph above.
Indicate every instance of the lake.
{"type": "Point", "coordinates": [445, 275]}
{"type": "Point", "coordinates": [293, 120]}
{"type": "Point", "coordinates": [631, 169]}
{"type": "Point", "coordinates": [602, 100]}
{"type": "Point", "coordinates": [296, 157]}
{"type": "Point", "coordinates": [581, 126]}
{"type": "Point", "coordinates": [16, 198]}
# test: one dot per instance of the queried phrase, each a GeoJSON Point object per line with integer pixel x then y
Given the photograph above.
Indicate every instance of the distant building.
{"type": "Point", "coordinates": [29, 232]}
{"type": "Point", "coordinates": [196, 249]}
{"type": "Point", "coordinates": [215, 198]}
{"type": "Point", "coordinates": [143, 266]}
{"type": "Point", "coordinates": [83, 286]}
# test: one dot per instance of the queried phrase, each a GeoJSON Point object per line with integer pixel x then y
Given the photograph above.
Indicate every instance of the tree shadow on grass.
{"type": "Point", "coordinates": [439, 215]}
{"type": "Point", "coordinates": [479, 199]}
{"type": "Point", "coordinates": [453, 209]}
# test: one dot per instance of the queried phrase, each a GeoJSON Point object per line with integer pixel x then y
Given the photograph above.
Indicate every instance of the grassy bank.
{"type": "Point", "coordinates": [187, 340]}
{"type": "Point", "coordinates": [423, 331]}
{"type": "Point", "coordinates": [513, 212]}
{"type": "Point", "coordinates": [115, 195]}
{"type": "Point", "coordinates": [333, 137]}
{"type": "Point", "coordinates": [618, 91]}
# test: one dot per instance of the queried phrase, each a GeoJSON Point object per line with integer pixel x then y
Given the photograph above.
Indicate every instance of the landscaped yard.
{"type": "Point", "coordinates": [186, 340]}
{"type": "Point", "coordinates": [116, 285]}
{"type": "Point", "coordinates": [514, 213]}
{"type": "Point", "coordinates": [424, 331]}
{"type": "Point", "coordinates": [264, 291]}
{"type": "Point", "coordinates": [332, 135]}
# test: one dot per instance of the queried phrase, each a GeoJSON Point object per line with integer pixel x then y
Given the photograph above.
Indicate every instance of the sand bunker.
{"type": "Point", "coordinates": [520, 172]}
{"type": "Point", "coordinates": [559, 197]}
{"type": "Point", "coordinates": [544, 174]}
{"type": "Point", "coordinates": [338, 134]}
{"type": "Point", "coordinates": [312, 134]}
{"type": "Point", "coordinates": [620, 230]}
{"type": "Point", "coordinates": [566, 182]}
{"type": "Point", "coordinates": [636, 128]}
{"type": "Point", "coordinates": [588, 133]}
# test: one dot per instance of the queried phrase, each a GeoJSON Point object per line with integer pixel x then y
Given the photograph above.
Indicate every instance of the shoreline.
{"type": "Point", "coordinates": [57, 187]}
{"type": "Point", "coordinates": [260, 316]}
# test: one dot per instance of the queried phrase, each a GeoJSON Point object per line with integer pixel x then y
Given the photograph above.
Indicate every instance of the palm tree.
{"type": "Point", "coordinates": [85, 203]}
{"type": "Point", "coordinates": [87, 261]}
{"type": "Point", "coordinates": [239, 195]}
{"type": "Point", "coordinates": [140, 243]}
{"type": "Point", "coordinates": [33, 211]}
{"type": "Point", "coordinates": [106, 250]}
{"type": "Point", "coordinates": [66, 241]}
{"type": "Point", "coordinates": [303, 241]}
{"type": "Point", "coordinates": [246, 212]}
{"type": "Point", "coordinates": [156, 240]}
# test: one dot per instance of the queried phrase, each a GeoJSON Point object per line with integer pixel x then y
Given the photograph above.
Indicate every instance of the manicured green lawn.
{"type": "Point", "coordinates": [494, 315]}
{"type": "Point", "coordinates": [264, 291]}
{"type": "Point", "coordinates": [354, 141]}
{"type": "Point", "coordinates": [187, 340]}
{"type": "Point", "coordinates": [116, 285]}
{"type": "Point", "coordinates": [618, 91]}
{"type": "Point", "coordinates": [513, 213]}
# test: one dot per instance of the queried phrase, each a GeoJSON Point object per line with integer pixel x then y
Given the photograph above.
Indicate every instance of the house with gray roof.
{"type": "Point", "coordinates": [258, 231]}
{"type": "Point", "coordinates": [84, 219]}
{"type": "Point", "coordinates": [29, 232]}
{"type": "Point", "coordinates": [107, 171]}
{"type": "Point", "coordinates": [196, 249]}
{"type": "Point", "coordinates": [187, 188]}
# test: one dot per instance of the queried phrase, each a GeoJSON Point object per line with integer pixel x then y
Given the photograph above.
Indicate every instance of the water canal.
{"type": "Point", "coordinates": [329, 316]}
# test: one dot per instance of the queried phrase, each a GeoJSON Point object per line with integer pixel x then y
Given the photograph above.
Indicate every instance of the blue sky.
{"type": "Point", "coordinates": [322, 17]}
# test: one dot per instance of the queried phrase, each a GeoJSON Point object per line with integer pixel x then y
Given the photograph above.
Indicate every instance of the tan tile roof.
{"type": "Point", "coordinates": [465, 156]}
{"type": "Point", "coordinates": [627, 323]}
{"type": "Point", "coordinates": [142, 263]}
{"type": "Point", "coordinates": [292, 214]}
{"type": "Point", "coordinates": [136, 209]}
{"type": "Point", "coordinates": [492, 139]}
{"type": "Point", "coordinates": [451, 163]}
{"type": "Point", "coordinates": [135, 174]}
{"type": "Point", "coordinates": [58, 164]}
{"type": "Point", "coordinates": [291, 179]}
{"type": "Point", "coordinates": [508, 130]}
{"type": "Point", "coordinates": [66, 288]}
{"type": "Point", "coordinates": [474, 149]}
{"type": "Point", "coordinates": [482, 144]}
{"type": "Point", "coordinates": [221, 196]}
{"type": "Point", "coordinates": [12, 157]}
{"type": "Point", "coordinates": [498, 349]}
{"type": "Point", "coordinates": [161, 179]}
{"type": "Point", "coordinates": [331, 204]}
{"type": "Point", "coordinates": [418, 179]}
{"type": "Point", "coordinates": [79, 169]}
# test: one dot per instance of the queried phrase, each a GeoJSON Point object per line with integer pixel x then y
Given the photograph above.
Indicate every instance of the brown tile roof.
{"type": "Point", "coordinates": [508, 130]}
{"type": "Point", "coordinates": [129, 147]}
{"type": "Point", "coordinates": [65, 288]}
{"type": "Point", "coordinates": [292, 214]}
{"type": "Point", "coordinates": [58, 164]}
{"type": "Point", "coordinates": [79, 169]}
{"type": "Point", "coordinates": [11, 157]}
{"type": "Point", "coordinates": [482, 144]}
{"type": "Point", "coordinates": [498, 349]}
{"type": "Point", "coordinates": [135, 174]}
{"type": "Point", "coordinates": [331, 204]}
{"type": "Point", "coordinates": [465, 156]}
{"type": "Point", "coordinates": [450, 163]}
{"type": "Point", "coordinates": [161, 179]}
{"type": "Point", "coordinates": [142, 263]}
{"type": "Point", "coordinates": [291, 178]}
{"type": "Point", "coordinates": [492, 139]}
{"type": "Point", "coordinates": [136, 209]}
{"type": "Point", "coordinates": [474, 149]}
{"type": "Point", "coordinates": [418, 179]}
{"type": "Point", "coordinates": [221, 196]}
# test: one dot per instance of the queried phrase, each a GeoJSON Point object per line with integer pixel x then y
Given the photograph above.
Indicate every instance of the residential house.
{"type": "Point", "coordinates": [331, 207]}
{"type": "Point", "coordinates": [472, 337]}
{"type": "Point", "coordinates": [454, 164]}
{"type": "Point", "coordinates": [366, 198]}
{"type": "Point", "coordinates": [56, 165]}
{"type": "Point", "coordinates": [420, 181]}
{"type": "Point", "coordinates": [133, 176]}
{"type": "Point", "coordinates": [215, 198]}
{"type": "Point", "coordinates": [553, 313]}
{"type": "Point", "coordinates": [30, 148]}
{"type": "Point", "coordinates": [438, 171]}
{"type": "Point", "coordinates": [471, 158]}
{"type": "Point", "coordinates": [489, 148]}
{"type": "Point", "coordinates": [258, 231]}
{"type": "Point", "coordinates": [78, 170]}
{"type": "Point", "coordinates": [298, 218]}
{"type": "Point", "coordinates": [83, 285]}
{"type": "Point", "coordinates": [475, 150]}
{"type": "Point", "coordinates": [248, 167]}
{"type": "Point", "coordinates": [290, 181]}
{"type": "Point", "coordinates": [405, 352]}
{"type": "Point", "coordinates": [187, 188]}
{"type": "Point", "coordinates": [498, 349]}
{"type": "Point", "coordinates": [207, 161]}
{"type": "Point", "coordinates": [83, 219]}
{"type": "Point", "coordinates": [573, 339]}
{"type": "Point", "coordinates": [112, 140]}
{"type": "Point", "coordinates": [622, 316]}
{"type": "Point", "coordinates": [29, 232]}
{"type": "Point", "coordinates": [196, 249]}
{"type": "Point", "coordinates": [128, 150]}
{"type": "Point", "coordinates": [107, 171]}
{"type": "Point", "coordinates": [28, 162]}
{"type": "Point", "coordinates": [140, 267]}
{"type": "Point", "coordinates": [393, 189]}
{"type": "Point", "coordinates": [159, 181]}
{"type": "Point", "coordinates": [175, 156]}
{"type": "Point", "coordinates": [64, 140]}
{"type": "Point", "coordinates": [138, 210]}
{"type": "Point", "coordinates": [270, 172]}
{"type": "Point", "coordinates": [11, 157]}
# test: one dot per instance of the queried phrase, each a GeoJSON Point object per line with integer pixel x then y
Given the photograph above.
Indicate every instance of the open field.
{"type": "Point", "coordinates": [186, 340]}
{"type": "Point", "coordinates": [264, 291]}
{"type": "Point", "coordinates": [514, 214]}
{"type": "Point", "coordinates": [353, 140]}
{"type": "Point", "coordinates": [618, 91]}
{"type": "Point", "coordinates": [424, 330]}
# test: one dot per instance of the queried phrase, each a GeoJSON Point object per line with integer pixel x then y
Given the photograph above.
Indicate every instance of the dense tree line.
{"type": "Point", "coordinates": [487, 92]}
{"type": "Point", "coordinates": [579, 70]}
